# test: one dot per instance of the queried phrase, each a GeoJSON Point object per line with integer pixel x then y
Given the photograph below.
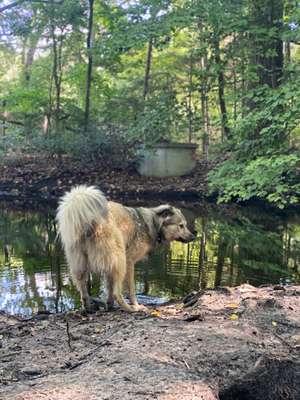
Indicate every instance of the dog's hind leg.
{"type": "Point", "coordinates": [80, 275]}
{"type": "Point", "coordinates": [110, 294]}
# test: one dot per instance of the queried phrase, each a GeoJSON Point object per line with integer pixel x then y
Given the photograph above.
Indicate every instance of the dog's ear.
{"type": "Point", "coordinates": [164, 211]}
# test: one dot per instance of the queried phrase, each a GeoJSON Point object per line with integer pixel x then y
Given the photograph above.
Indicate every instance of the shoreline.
{"type": "Point", "coordinates": [46, 180]}
{"type": "Point", "coordinates": [35, 181]}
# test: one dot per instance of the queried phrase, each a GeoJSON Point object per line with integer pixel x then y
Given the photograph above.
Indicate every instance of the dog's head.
{"type": "Point", "coordinates": [172, 224]}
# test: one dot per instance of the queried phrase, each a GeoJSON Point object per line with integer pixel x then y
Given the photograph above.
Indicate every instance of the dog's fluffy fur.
{"type": "Point", "coordinates": [109, 238]}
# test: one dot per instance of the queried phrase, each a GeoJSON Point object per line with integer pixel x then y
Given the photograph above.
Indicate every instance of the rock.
{"type": "Point", "coordinates": [31, 370]}
{"type": "Point", "coordinates": [192, 301]}
{"type": "Point", "coordinates": [189, 297]}
{"type": "Point", "coordinates": [278, 287]}
{"type": "Point", "coordinates": [296, 340]}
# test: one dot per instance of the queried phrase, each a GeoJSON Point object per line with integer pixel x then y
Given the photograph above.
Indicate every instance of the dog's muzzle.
{"type": "Point", "coordinates": [188, 239]}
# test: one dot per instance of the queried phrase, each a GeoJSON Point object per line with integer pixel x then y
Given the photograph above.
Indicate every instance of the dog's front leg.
{"type": "Point", "coordinates": [131, 287]}
{"type": "Point", "coordinates": [117, 275]}
{"type": "Point", "coordinates": [131, 283]}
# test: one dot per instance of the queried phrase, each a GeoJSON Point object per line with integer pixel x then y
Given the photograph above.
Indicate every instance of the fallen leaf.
{"type": "Point", "coordinates": [155, 313]}
{"type": "Point", "coordinates": [233, 317]}
{"type": "Point", "coordinates": [274, 323]}
{"type": "Point", "coordinates": [231, 305]}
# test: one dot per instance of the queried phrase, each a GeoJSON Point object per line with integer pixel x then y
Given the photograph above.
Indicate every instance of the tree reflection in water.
{"type": "Point", "coordinates": [232, 247]}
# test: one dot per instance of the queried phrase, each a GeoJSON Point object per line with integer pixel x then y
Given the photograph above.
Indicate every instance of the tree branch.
{"type": "Point", "coordinates": [11, 5]}
{"type": "Point", "coordinates": [19, 2]}
{"type": "Point", "coordinates": [10, 121]}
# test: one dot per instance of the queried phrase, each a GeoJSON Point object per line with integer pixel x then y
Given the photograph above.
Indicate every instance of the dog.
{"type": "Point", "coordinates": [106, 237]}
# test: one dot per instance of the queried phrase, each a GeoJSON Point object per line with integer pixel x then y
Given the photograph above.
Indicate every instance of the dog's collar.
{"type": "Point", "coordinates": [160, 236]}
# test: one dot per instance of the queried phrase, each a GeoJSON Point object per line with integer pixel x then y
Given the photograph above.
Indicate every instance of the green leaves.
{"type": "Point", "coordinates": [274, 179]}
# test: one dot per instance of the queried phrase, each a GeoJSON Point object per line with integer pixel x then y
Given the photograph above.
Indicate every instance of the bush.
{"type": "Point", "coordinates": [106, 143]}
{"type": "Point", "coordinates": [261, 164]}
{"type": "Point", "coordinates": [272, 178]}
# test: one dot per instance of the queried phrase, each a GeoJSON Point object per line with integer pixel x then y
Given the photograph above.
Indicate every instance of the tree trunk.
{"type": "Point", "coordinates": [266, 53]}
{"type": "Point", "coordinates": [57, 71]}
{"type": "Point", "coordinates": [220, 262]}
{"type": "Point", "coordinates": [190, 93]}
{"type": "Point", "coordinates": [221, 90]}
{"type": "Point", "coordinates": [204, 94]}
{"type": "Point", "coordinates": [3, 118]}
{"type": "Point", "coordinates": [89, 46]}
{"type": "Point", "coordinates": [147, 69]}
{"type": "Point", "coordinates": [30, 57]}
{"type": "Point", "coordinates": [235, 91]}
{"type": "Point", "coordinates": [287, 52]}
{"type": "Point", "coordinates": [204, 107]}
{"type": "Point", "coordinates": [33, 39]}
{"type": "Point", "coordinates": [202, 255]}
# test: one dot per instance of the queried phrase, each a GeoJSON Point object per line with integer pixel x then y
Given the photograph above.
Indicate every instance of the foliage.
{"type": "Point", "coordinates": [264, 165]}
{"type": "Point", "coordinates": [273, 178]}
{"type": "Point", "coordinates": [158, 119]}
{"type": "Point", "coordinates": [215, 72]}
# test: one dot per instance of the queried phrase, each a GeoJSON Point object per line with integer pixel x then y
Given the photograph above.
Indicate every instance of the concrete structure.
{"type": "Point", "coordinates": [168, 159]}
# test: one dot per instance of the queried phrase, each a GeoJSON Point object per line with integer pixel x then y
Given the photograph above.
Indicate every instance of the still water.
{"type": "Point", "coordinates": [233, 246]}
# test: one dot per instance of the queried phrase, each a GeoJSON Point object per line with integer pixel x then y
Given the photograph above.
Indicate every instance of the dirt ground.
{"type": "Point", "coordinates": [36, 178]}
{"type": "Point", "coordinates": [228, 343]}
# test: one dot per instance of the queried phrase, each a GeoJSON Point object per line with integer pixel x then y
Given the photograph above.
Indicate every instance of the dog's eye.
{"type": "Point", "coordinates": [181, 226]}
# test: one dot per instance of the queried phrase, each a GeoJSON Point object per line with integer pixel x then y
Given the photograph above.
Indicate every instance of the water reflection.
{"type": "Point", "coordinates": [233, 246]}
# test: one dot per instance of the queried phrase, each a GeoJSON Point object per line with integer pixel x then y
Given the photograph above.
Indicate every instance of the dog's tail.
{"type": "Point", "coordinates": [79, 211]}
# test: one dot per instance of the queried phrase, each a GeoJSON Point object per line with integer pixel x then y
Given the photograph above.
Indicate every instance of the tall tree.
{"type": "Point", "coordinates": [265, 43]}
{"type": "Point", "coordinates": [89, 46]}
{"type": "Point", "coordinates": [148, 68]}
{"type": "Point", "coordinates": [221, 88]}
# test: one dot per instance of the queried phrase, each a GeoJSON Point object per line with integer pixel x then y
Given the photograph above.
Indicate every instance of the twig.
{"type": "Point", "coordinates": [289, 324]}
{"type": "Point", "coordinates": [68, 333]}
{"type": "Point", "coordinates": [186, 364]}
{"type": "Point", "coordinates": [10, 354]}
{"type": "Point", "coordinates": [85, 358]}
{"type": "Point", "coordinates": [285, 342]}
{"type": "Point", "coordinates": [73, 366]}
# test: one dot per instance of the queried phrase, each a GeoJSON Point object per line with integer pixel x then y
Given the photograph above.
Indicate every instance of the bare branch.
{"type": "Point", "coordinates": [11, 5]}
{"type": "Point", "coordinates": [4, 119]}
{"type": "Point", "coordinates": [19, 2]}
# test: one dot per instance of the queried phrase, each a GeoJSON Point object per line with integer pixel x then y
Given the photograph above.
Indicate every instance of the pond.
{"type": "Point", "coordinates": [234, 245]}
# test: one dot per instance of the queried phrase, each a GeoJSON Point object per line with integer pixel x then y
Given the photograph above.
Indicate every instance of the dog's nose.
{"type": "Point", "coordinates": [192, 237]}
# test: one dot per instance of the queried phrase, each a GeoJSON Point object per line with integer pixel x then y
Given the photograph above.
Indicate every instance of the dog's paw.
{"type": "Point", "coordinates": [109, 306]}
{"type": "Point", "coordinates": [139, 307]}
{"type": "Point", "coordinates": [95, 302]}
{"type": "Point", "coordinates": [90, 308]}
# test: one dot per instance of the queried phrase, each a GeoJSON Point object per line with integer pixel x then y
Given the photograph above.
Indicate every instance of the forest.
{"type": "Point", "coordinates": [87, 89]}
{"type": "Point", "coordinates": [98, 79]}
